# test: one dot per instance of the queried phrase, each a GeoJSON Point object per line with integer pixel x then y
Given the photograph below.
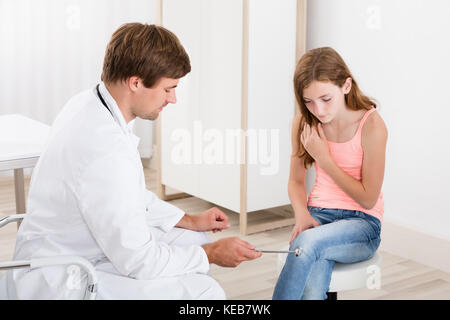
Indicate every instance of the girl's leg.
{"type": "Point", "coordinates": [319, 279]}
{"type": "Point", "coordinates": [345, 241]}
{"type": "Point", "coordinates": [318, 282]}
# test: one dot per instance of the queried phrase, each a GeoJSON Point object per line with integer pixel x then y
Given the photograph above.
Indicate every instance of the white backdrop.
{"type": "Point", "coordinates": [53, 49]}
{"type": "Point", "coordinates": [399, 52]}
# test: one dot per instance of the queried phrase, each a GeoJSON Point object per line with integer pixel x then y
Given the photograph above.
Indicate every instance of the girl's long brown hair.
{"type": "Point", "coordinates": [324, 64]}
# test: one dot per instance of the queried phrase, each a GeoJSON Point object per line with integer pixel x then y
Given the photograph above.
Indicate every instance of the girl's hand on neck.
{"type": "Point", "coordinates": [315, 143]}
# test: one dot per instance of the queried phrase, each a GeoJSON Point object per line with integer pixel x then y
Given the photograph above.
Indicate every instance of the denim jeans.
{"type": "Point", "coordinates": [344, 236]}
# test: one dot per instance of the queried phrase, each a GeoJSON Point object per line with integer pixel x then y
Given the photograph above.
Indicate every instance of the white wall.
{"type": "Point", "coordinates": [53, 49]}
{"type": "Point", "coordinates": [398, 51]}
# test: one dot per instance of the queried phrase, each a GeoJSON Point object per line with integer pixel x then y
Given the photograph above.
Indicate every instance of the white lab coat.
{"type": "Point", "coordinates": [88, 198]}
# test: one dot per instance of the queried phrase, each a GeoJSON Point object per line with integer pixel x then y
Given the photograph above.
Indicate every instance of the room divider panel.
{"type": "Point", "coordinates": [228, 138]}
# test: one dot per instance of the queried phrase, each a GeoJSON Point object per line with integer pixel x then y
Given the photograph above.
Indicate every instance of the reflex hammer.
{"type": "Point", "coordinates": [297, 251]}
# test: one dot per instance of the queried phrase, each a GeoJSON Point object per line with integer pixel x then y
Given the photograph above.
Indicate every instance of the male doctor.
{"type": "Point", "coordinates": [88, 197]}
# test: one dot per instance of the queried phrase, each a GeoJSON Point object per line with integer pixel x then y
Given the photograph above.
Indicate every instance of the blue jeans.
{"type": "Point", "coordinates": [344, 236]}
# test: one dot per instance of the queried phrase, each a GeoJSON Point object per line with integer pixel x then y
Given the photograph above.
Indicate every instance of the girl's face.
{"type": "Point", "coordinates": [325, 100]}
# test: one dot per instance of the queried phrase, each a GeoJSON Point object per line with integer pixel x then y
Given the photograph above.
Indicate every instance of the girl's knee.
{"type": "Point", "coordinates": [306, 242]}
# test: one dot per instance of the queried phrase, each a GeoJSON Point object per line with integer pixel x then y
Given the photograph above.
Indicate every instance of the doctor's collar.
{"type": "Point", "coordinates": [114, 108]}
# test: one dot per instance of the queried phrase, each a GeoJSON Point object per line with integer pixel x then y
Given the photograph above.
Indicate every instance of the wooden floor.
{"type": "Point", "coordinates": [400, 278]}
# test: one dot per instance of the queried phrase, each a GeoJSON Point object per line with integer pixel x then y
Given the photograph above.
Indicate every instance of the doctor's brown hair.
{"type": "Point", "coordinates": [325, 65]}
{"type": "Point", "coordinates": [149, 52]}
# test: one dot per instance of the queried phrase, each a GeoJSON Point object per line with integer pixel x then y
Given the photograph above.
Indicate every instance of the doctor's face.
{"type": "Point", "coordinates": [149, 102]}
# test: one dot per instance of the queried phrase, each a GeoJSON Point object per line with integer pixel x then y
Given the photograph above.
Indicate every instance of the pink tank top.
{"type": "Point", "coordinates": [349, 156]}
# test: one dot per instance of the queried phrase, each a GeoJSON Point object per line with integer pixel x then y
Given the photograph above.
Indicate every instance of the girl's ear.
{"type": "Point", "coordinates": [348, 85]}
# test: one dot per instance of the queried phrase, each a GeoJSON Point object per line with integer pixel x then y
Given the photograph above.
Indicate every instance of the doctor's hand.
{"type": "Point", "coordinates": [230, 252]}
{"type": "Point", "coordinates": [211, 220]}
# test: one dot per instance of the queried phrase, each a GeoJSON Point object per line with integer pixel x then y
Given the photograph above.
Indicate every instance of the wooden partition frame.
{"type": "Point", "coordinates": [245, 228]}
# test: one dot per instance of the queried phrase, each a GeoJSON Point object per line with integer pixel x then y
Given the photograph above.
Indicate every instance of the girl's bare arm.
{"type": "Point", "coordinates": [366, 191]}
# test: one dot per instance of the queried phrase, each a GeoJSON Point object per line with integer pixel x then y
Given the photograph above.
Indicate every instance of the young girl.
{"type": "Point", "coordinates": [339, 130]}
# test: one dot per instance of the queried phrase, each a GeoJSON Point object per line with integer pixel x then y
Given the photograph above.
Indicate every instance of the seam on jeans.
{"type": "Point", "coordinates": [375, 226]}
{"type": "Point", "coordinates": [314, 209]}
{"type": "Point", "coordinates": [344, 244]}
{"type": "Point", "coordinates": [376, 229]}
{"type": "Point", "coordinates": [356, 242]}
{"type": "Point", "coordinates": [370, 217]}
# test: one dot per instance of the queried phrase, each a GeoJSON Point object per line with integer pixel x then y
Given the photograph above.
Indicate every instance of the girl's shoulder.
{"type": "Point", "coordinates": [374, 127]}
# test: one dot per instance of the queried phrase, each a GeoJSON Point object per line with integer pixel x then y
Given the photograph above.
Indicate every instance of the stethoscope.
{"type": "Point", "coordinates": [101, 99]}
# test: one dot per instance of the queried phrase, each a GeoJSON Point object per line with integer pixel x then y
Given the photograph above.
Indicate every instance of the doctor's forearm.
{"type": "Point", "coordinates": [186, 222]}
